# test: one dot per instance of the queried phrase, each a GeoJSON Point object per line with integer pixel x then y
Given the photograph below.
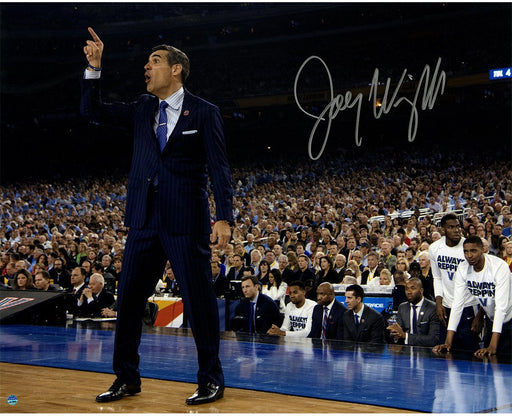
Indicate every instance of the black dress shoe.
{"type": "Point", "coordinates": [117, 391]}
{"type": "Point", "coordinates": [206, 394]}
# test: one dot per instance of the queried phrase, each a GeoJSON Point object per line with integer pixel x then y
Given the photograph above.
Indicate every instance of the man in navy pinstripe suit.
{"type": "Point", "coordinates": [167, 209]}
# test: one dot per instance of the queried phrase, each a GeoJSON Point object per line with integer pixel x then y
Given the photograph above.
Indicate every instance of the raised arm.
{"type": "Point", "coordinates": [93, 51]}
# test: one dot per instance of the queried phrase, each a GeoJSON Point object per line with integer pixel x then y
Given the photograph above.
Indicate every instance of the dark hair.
{"type": "Point", "coordinates": [329, 261]}
{"type": "Point", "coordinates": [82, 272]}
{"type": "Point", "coordinates": [416, 280]}
{"type": "Point", "coordinates": [474, 239]}
{"type": "Point", "coordinates": [298, 283]}
{"type": "Point", "coordinates": [252, 278]}
{"type": "Point", "coordinates": [358, 291]}
{"type": "Point", "coordinates": [277, 276]}
{"type": "Point", "coordinates": [175, 56]}
{"type": "Point", "coordinates": [97, 266]}
{"type": "Point", "coordinates": [45, 274]}
{"type": "Point", "coordinates": [26, 273]}
{"type": "Point", "coordinates": [450, 216]}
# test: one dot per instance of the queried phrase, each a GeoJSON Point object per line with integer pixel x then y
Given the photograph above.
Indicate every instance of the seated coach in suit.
{"type": "Point", "coordinates": [329, 310]}
{"type": "Point", "coordinates": [417, 322]}
{"type": "Point", "coordinates": [256, 312]}
{"type": "Point", "coordinates": [361, 323]}
{"type": "Point", "coordinates": [94, 298]}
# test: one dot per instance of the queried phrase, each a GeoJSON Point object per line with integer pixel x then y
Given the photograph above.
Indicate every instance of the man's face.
{"type": "Point", "coordinates": [297, 295]}
{"type": "Point", "coordinates": [333, 249]}
{"type": "Point", "coordinates": [452, 230]}
{"type": "Point", "coordinates": [76, 277]}
{"type": "Point", "coordinates": [473, 253]}
{"type": "Point", "coordinates": [283, 262]}
{"type": "Point", "coordinates": [386, 249]}
{"type": "Point", "coordinates": [414, 245]}
{"type": "Point", "coordinates": [303, 263]}
{"type": "Point", "coordinates": [351, 243]}
{"type": "Point", "coordinates": [424, 261]}
{"type": "Point", "coordinates": [413, 292]}
{"type": "Point", "coordinates": [105, 261]}
{"type": "Point", "coordinates": [159, 74]}
{"type": "Point", "coordinates": [86, 266]}
{"type": "Point", "coordinates": [215, 269]}
{"type": "Point", "coordinates": [324, 295]}
{"type": "Point", "coordinates": [340, 261]}
{"type": "Point", "coordinates": [352, 301]}
{"type": "Point", "coordinates": [40, 282]}
{"type": "Point", "coordinates": [270, 257]}
{"type": "Point", "coordinates": [237, 262]}
{"type": "Point", "coordinates": [254, 256]}
{"type": "Point", "coordinates": [300, 249]}
{"type": "Point", "coordinates": [249, 289]}
{"type": "Point", "coordinates": [95, 286]}
{"type": "Point", "coordinates": [372, 262]}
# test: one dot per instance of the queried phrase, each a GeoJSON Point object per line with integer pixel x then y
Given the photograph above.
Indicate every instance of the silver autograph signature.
{"type": "Point", "coordinates": [431, 88]}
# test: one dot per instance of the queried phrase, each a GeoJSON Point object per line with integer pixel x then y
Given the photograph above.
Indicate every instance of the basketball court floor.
{"type": "Point", "coordinates": [392, 376]}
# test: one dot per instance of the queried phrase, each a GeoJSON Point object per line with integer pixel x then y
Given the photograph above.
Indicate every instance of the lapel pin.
{"type": "Point", "coordinates": [186, 113]}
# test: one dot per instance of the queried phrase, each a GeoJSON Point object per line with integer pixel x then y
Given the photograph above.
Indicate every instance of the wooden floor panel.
{"type": "Point", "coordinates": [54, 390]}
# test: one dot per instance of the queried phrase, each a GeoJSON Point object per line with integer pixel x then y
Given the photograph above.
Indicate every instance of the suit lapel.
{"type": "Point", "coordinates": [187, 114]}
{"type": "Point", "coordinates": [150, 124]}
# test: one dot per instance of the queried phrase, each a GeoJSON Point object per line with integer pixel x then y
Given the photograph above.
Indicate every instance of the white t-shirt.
{"type": "Point", "coordinates": [491, 287]}
{"type": "Point", "coordinates": [444, 261]}
{"type": "Point", "coordinates": [297, 321]}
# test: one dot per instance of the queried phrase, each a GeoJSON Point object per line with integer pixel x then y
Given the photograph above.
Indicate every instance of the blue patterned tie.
{"type": "Point", "coordinates": [324, 323]}
{"type": "Point", "coordinates": [356, 316]}
{"type": "Point", "coordinates": [161, 130]}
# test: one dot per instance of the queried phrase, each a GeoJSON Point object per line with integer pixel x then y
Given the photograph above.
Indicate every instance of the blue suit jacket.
{"type": "Point", "coordinates": [334, 321]}
{"type": "Point", "coordinates": [194, 150]}
{"type": "Point", "coordinates": [267, 313]}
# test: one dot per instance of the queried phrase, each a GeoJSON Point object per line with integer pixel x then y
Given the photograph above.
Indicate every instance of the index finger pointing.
{"type": "Point", "coordinates": [93, 34]}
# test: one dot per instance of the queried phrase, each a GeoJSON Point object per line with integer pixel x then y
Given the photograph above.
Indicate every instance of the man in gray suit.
{"type": "Point", "coordinates": [417, 322]}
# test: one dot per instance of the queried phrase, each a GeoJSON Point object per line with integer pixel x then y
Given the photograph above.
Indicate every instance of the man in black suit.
{"type": "Point", "coordinates": [236, 271]}
{"type": "Point", "coordinates": [361, 323]}
{"type": "Point", "coordinates": [178, 142]}
{"type": "Point", "coordinates": [94, 297]}
{"type": "Point", "coordinates": [304, 273]}
{"type": "Point", "coordinates": [422, 329]}
{"type": "Point", "coordinates": [327, 315]}
{"type": "Point", "coordinates": [256, 312]}
{"type": "Point", "coordinates": [220, 281]}
{"type": "Point", "coordinates": [78, 275]}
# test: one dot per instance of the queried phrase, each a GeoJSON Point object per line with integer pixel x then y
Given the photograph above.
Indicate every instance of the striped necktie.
{"type": "Point", "coordinates": [324, 323]}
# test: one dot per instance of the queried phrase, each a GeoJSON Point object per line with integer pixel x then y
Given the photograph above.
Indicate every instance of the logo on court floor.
{"type": "Point", "coordinates": [12, 400]}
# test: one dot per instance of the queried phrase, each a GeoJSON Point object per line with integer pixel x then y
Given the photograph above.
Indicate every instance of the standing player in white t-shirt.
{"type": "Point", "coordinates": [487, 279]}
{"type": "Point", "coordinates": [298, 314]}
{"type": "Point", "coordinates": [445, 256]}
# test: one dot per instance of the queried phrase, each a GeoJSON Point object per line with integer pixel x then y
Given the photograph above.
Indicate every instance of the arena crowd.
{"type": "Point", "coordinates": [341, 220]}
